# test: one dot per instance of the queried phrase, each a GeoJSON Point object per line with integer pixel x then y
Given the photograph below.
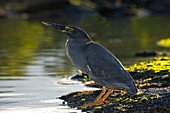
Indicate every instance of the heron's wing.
{"type": "Point", "coordinates": [105, 67]}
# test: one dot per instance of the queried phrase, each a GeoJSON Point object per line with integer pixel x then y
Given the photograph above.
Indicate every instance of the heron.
{"type": "Point", "coordinates": [96, 61]}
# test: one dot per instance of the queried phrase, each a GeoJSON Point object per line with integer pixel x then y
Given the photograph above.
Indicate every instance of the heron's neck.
{"type": "Point", "coordinates": [78, 42]}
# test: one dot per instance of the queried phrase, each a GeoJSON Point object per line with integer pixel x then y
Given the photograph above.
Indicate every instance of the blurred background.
{"type": "Point", "coordinates": [33, 65]}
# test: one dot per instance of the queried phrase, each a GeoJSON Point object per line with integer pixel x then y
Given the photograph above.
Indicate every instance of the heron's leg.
{"type": "Point", "coordinates": [105, 96]}
{"type": "Point", "coordinates": [100, 95]}
{"type": "Point", "coordinates": [97, 99]}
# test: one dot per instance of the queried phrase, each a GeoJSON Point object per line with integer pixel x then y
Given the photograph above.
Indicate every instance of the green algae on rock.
{"type": "Point", "coordinates": [155, 65]}
{"type": "Point", "coordinates": [153, 73]}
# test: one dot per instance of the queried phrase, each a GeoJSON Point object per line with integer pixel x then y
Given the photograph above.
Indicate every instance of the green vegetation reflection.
{"type": "Point", "coordinates": [19, 40]}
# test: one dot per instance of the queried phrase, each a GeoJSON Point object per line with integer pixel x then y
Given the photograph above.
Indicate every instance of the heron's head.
{"type": "Point", "coordinates": [72, 32]}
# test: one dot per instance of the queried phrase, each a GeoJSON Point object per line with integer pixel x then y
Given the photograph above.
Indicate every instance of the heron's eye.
{"type": "Point", "coordinates": [69, 28]}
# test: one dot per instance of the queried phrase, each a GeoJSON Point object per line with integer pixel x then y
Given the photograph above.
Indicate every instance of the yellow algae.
{"type": "Point", "coordinates": [164, 42]}
{"type": "Point", "coordinates": [140, 93]}
{"type": "Point", "coordinates": [83, 100]}
{"type": "Point", "coordinates": [156, 65]}
{"type": "Point", "coordinates": [75, 2]}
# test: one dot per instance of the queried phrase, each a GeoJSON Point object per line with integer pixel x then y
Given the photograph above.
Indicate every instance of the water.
{"type": "Point", "coordinates": [35, 94]}
{"type": "Point", "coordinates": [34, 69]}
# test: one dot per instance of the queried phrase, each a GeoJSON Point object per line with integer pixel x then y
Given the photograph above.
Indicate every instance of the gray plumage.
{"type": "Point", "coordinates": [95, 60]}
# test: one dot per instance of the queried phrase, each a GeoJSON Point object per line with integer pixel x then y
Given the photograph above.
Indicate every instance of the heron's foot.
{"type": "Point", "coordinates": [87, 105]}
{"type": "Point", "coordinates": [93, 104]}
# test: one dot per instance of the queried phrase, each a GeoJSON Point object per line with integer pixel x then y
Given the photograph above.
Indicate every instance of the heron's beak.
{"type": "Point", "coordinates": [60, 27]}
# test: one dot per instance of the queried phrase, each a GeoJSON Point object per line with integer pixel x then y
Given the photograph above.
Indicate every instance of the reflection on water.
{"type": "Point", "coordinates": [33, 60]}
{"type": "Point", "coordinates": [35, 94]}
